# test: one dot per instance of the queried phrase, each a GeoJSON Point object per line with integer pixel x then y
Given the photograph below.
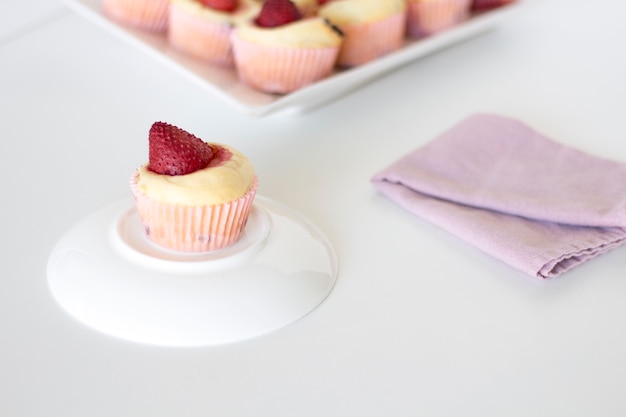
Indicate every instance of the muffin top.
{"type": "Point", "coordinates": [185, 170]}
{"type": "Point", "coordinates": [305, 33]}
{"type": "Point", "coordinates": [227, 180]}
{"type": "Point", "coordinates": [341, 12]}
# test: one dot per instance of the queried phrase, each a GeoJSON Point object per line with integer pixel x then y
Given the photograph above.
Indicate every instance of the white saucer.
{"type": "Point", "coordinates": [108, 275]}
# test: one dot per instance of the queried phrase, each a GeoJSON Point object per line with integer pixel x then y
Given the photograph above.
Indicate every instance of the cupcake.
{"type": "Point", "coordinates": [372, 28]}
{"type": "Point", "coordinates": [427, 17]}
{"type": "Point", "coordinates": [192, 196]}
{"type": "Point", "coordinates": [280, 52]}
{"type": "Point", "coordinates": [149, 15]}
{"type": "Point", "coordinates": [202, 28]}
{"type": "Point", "coordinates": [479, 5]}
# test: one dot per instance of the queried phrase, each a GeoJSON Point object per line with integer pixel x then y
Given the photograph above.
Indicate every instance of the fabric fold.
{"type": "Point", "coordinates": [519, 196]}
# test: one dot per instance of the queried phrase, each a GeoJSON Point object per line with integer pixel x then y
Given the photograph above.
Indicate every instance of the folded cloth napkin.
{"type": "Point", "coordinates": [535, 204]}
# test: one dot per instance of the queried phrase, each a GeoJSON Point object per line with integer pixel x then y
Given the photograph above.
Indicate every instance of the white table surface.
{"type": "Point", "coordinates": [419, 322]}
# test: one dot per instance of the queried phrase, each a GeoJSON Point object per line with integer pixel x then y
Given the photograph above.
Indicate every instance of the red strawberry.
{"type": "Point", "coordinates": [174, 151]}
{"type": "Point", "coordinates": [224, 5]}
{"type": "Point", "coordinates": [277, 13]}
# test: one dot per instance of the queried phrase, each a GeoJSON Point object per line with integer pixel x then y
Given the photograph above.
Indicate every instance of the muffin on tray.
{"type": "Point", "coordinates": [372, 28]}
{"type": "Point", "coordinates": [192, 196]}
{"type": "Point", "coordinates": [202, 28]}
{"type": "Point", "coordinates": [149, 15]}
{"type": "Point", "coordinates": [280, 52]}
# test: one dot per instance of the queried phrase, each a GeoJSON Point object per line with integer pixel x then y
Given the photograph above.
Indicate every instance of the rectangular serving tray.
{"type": "Point", "coordinates": [224, 84]}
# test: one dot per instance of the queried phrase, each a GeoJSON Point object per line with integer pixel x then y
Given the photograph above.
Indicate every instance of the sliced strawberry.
{"type": "Point", "coordinates": [223, 5]}
{"type": "Point", "coordinates": [174, 151]}
{"type": "Point", "coordinates": [277, 13]}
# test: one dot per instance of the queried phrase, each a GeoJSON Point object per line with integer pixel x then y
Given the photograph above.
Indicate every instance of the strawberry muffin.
{"type": "Point", "coordinates": [202, 28]}
{"type": "Point", "coordinates": [427, 17]}
{"type": "Point", "coordinates": [280, 52]}
{"type": "Point", "coordinates": [192, 196]}
{"type": "Point", "coordinates": [149, 15]}
{"type": "Point", "coordinates": [372, 28]}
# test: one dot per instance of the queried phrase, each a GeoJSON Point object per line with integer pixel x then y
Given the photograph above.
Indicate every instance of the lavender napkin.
{"type": "Point", "coordinates": [537, 205]}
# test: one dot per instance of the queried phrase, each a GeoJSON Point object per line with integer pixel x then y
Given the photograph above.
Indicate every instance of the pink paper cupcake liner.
{"type": "Point", "coordinates": [281, 70]}
{"type": "Point", "coordinates": [193, 229]}
{"type": "Point", "coordinates": [430, 17]}
{"type": "Point", "coordinates": [199, 38]}
{"type": "Point", "coordinates": [144, 14]}
{"type": "Point", "coordinates": [365, 42]}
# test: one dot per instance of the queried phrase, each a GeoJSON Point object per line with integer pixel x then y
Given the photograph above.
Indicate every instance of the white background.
{"type": "Point", "coordinates": [419, 323]}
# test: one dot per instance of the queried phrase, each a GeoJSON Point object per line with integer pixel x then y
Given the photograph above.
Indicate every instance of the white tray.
{"type": "Point", "coordinates": [224, 84]}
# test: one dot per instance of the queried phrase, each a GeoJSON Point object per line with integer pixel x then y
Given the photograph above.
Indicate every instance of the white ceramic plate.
{"type": "Point", "coordinates": [224, 84]}
{"type": "Point", "coordinates": [106, 274]}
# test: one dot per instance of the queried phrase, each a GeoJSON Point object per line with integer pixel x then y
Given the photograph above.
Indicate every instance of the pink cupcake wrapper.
{"type": "Point", "coordinates": [281, 70]}
{"type": "Point", "coordinates": [427, 18]}
{"type": "Point", "coordinates": [365, 42]}
{"type": "Point", "coordinates": [197, 37]}
{"type": "Point", "coordinates": [144, 14]}
{"type": "Point", "coordinates": [190, 228]}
